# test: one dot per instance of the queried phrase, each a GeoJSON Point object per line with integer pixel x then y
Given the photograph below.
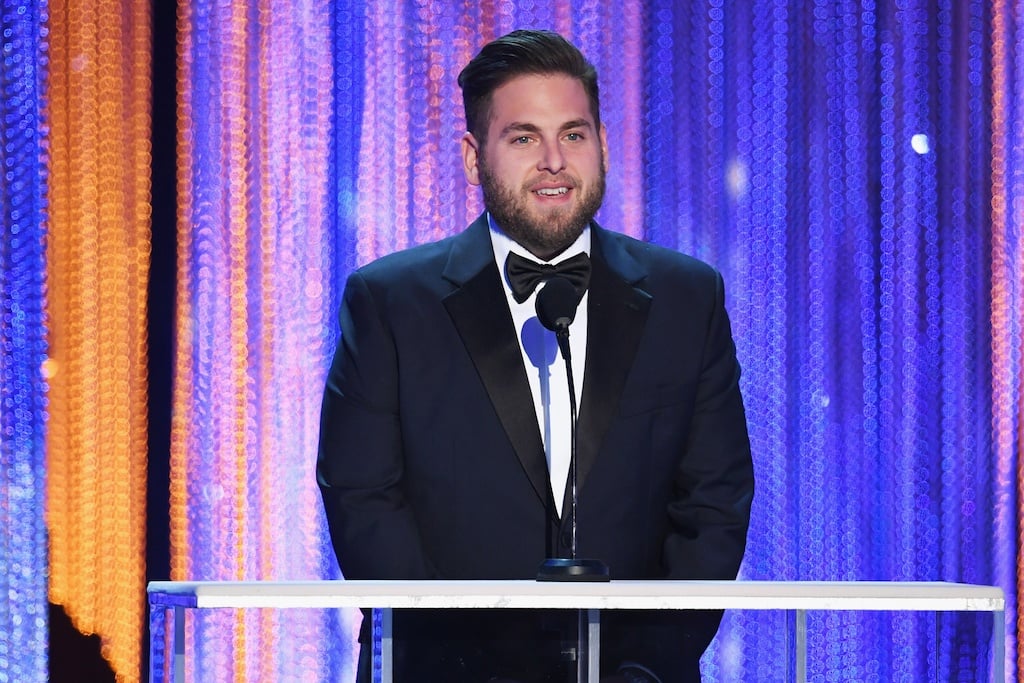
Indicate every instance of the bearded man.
{"type": "Point", "coordinates": [445, 431]}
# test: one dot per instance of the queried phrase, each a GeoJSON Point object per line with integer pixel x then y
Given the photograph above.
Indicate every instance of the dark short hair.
{"type": "Point", "coordinates": [520, 53]}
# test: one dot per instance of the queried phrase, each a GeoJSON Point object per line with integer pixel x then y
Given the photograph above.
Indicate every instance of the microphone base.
{"type": "Point", "coordinates": [562, 569]}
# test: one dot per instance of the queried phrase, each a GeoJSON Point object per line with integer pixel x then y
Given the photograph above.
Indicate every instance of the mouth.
{"type": "Point", "coordinates": [551, 191]}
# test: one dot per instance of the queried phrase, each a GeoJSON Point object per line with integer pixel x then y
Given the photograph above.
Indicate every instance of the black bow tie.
{"type": "Point", "coordinates": [524, 274]}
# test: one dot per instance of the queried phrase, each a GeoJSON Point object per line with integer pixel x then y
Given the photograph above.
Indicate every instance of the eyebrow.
{"type": "Point", "coordinates": [532, 128]}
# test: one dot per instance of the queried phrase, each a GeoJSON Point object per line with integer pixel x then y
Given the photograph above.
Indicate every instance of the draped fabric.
{"type": "Point", "coordinates": [257, 266]}
{"type": "Point", "coordinates": [75, 254]}
{"type": "Point", "coordinates": [1006, 315]}
{"type": "Point", "coordinates": [854, 168]}
{"type": "Point", "coordinates": [851, 167]}
{"type": "Point", "coordinates": [23, 552]}
{"type": "Point", "coordinates": [97, 274]}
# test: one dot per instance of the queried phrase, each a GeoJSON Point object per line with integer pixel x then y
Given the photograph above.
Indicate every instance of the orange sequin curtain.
{"type": "Point", "coordinates": [98, 269]}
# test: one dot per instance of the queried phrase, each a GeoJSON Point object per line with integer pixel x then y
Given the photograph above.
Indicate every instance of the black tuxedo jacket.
{"type": "Point", "coordinates": [431, 463]}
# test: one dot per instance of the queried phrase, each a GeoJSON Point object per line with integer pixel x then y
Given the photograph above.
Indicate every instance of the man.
{"type": "Point", "coordinates": [445, 432]}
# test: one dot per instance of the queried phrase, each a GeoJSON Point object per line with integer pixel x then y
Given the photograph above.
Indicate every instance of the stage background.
{"type": "Point", "coordinates": [854, 168]}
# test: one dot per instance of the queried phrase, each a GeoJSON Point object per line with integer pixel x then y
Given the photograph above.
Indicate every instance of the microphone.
{"type": "Point", "coordinates": [556, 309]}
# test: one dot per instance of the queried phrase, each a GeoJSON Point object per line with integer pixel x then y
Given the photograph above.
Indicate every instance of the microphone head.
{"type": "Point", "coordinates": [556, 304]}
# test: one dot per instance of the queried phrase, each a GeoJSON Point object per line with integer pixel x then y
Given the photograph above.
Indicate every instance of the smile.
{"type": "Point", "coordinates": [552, 191]}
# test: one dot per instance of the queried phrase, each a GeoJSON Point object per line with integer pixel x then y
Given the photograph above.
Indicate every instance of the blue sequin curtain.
{"type": "Point", "coordinates": [855, 170]}
{"type": "Point", "coordinates": [23, 556]}
{"type": "Point", "coordinates": [834, 159]}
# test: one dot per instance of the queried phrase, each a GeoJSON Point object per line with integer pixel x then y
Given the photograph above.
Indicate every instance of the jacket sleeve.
{"type": "Point", "coordinates": [708, 514]}
{"type": "Point", "coordinates": [714, 478]}
{"type": "Point", "coordinates": [360, 463]}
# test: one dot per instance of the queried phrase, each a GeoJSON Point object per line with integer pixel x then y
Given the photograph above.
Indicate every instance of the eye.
{"type": "Point", "coordinates": [521, 140]}
{"type": "Point", "coordinates": [574, 137]}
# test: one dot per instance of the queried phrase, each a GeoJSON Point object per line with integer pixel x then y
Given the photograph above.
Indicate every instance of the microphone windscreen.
{"type": "Point", "coordinates": [556, 304]}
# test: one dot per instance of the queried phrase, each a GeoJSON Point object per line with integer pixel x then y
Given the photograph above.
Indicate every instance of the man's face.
{"type": "Point", "coordinates": [542, 166]}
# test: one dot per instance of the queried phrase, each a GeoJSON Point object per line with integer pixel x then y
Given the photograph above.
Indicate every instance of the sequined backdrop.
{"type": "Point", "coordinates": [23, 348]}
{"type": "Point", "coordinates": [837, 161]}
{"type": "Point", "coordinates": [855, 168]}
{"type": "Point", "coordinates": [97, 255]}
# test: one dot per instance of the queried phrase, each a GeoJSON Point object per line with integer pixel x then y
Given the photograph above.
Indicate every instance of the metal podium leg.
{"type": "Point", "coordinates": [157, 644]}
{"type": "Point", "coordinates": [801, 646]}
{"type": "Point", "coordinates": [387, 645]}
{"type": "Point", "coordinates": [593, 645]}
{"type": "Point", "coordinates": [179, 644]}
{"type": "Point", "coordinates": [998, 646]}
{"type": "Point", "coordinates": [588, 646]}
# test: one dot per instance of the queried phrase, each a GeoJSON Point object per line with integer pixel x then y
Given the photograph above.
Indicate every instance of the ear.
{"type": "Point", "coordinates": [470, 158]}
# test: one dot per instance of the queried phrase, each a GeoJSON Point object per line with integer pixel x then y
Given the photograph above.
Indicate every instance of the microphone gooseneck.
{"type": "Point", "coordinates": [557, 301]}
{"type": "Point", "coordinates": [556, 309]}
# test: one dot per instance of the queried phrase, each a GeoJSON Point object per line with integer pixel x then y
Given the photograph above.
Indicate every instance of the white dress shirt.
{"type": "Point", "coordinates": [543, 361]}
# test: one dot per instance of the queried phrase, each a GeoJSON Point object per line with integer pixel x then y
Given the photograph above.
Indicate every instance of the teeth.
{"type": "Point", "coordinates": [552, 191]}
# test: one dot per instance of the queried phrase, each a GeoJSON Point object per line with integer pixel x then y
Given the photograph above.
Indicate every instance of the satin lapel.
{"type": "Point", "coordinates": [617, 315]}
{"type": "Point", "coordinates": [480, 313]}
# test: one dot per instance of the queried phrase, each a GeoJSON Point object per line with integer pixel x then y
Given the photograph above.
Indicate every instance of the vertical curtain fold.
{"type": "Point", "coordinates": [98, 250]}
{"type": "Point", "coordinates": [1007, 302]}
{"type": "Point", "coordinates": [23, 406]}
{"type": "Point", "coordinates": [851, 167]}
{"type": "Point", "coordinates": [256, 224]}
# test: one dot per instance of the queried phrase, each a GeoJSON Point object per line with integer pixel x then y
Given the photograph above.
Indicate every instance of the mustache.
{"type": "Point", "coordinates": [566, 179]}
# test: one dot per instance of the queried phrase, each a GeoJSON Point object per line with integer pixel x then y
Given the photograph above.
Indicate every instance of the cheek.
{"type": "Point", "coordinates": [510, 175]}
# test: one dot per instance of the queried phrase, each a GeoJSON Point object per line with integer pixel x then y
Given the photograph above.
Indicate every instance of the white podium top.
{"type": "Point", "coordinates": [748, 595]}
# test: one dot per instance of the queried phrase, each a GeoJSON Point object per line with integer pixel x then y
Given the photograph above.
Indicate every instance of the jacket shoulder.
{"type": "Point", "coordinates": [423, 258]}
{"type": "Point", "coordinates": [659, 262]}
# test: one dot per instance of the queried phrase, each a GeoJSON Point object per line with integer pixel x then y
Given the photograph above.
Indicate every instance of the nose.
{"type": "Point", "coordinates": [552, 159]}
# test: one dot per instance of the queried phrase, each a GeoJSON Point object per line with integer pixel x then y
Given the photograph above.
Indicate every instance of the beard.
{"type": "Point", "coordinates": [557, 230]}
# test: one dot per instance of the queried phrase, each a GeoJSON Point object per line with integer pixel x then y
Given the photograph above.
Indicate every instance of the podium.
{"type": "Point", "coordinates": [177, 597]}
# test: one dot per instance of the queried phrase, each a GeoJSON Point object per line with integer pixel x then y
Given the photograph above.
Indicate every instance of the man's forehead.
{"type": "Point", "coordinates": [533, 99]}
